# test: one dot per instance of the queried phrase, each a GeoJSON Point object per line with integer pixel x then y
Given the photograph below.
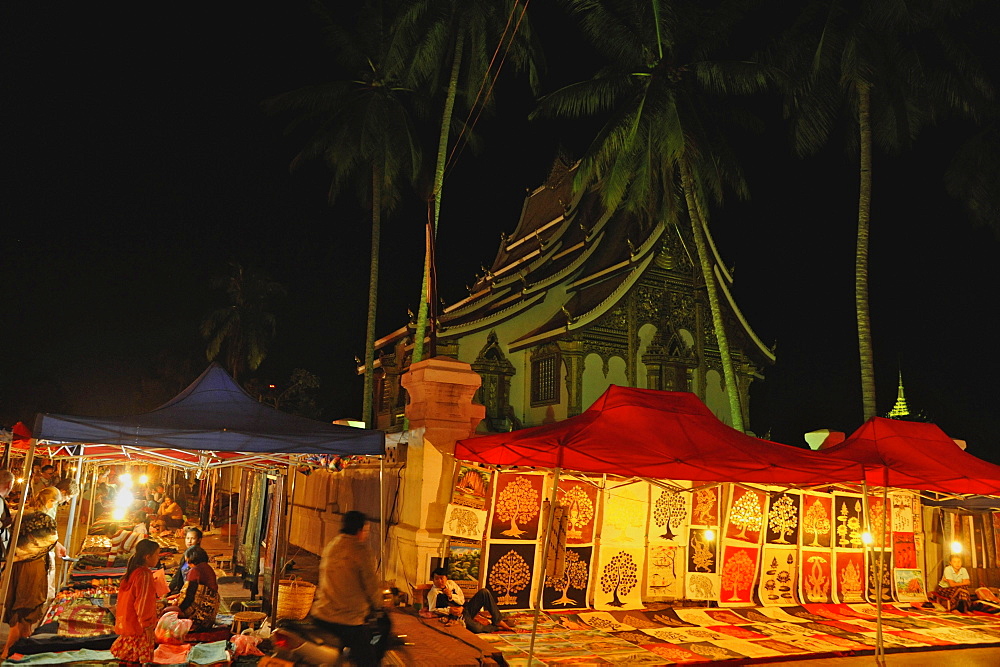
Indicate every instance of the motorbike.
{"type": "Point", "coordinates": [308, 642]}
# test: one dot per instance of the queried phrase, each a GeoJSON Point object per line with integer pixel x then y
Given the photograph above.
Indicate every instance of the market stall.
{"type": "Point", "coordinates": [965, 490]}
{"type": "Point", "coordinates": [211, 424]}
{"type": "Point", "coordinates": [722, 517]}
{"type": "Point", "coordinates": [675, 500]}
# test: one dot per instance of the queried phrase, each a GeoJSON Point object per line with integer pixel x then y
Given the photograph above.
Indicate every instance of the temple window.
{"type": "Point", "coordinates": [545, 376]}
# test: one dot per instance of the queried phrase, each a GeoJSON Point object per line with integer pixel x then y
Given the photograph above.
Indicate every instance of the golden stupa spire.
{"type": "Point", "coordinates": [899, 410]}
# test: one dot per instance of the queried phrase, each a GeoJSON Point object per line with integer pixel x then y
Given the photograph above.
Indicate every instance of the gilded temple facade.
{"type": "Point", "coordinates": [578, 299]}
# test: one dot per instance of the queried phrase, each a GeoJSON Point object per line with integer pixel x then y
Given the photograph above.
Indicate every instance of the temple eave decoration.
{"type": "Point", "coordinates": [578, 298]}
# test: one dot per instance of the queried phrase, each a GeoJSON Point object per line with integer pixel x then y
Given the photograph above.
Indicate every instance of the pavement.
{"type": "Point", "coordinates": [306, 567]}
{"type": "Point", "coordinates": [962, 657]}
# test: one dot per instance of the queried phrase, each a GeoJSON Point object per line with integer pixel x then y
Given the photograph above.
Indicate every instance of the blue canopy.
{"type": "Point", "coordinates": [214, 414]}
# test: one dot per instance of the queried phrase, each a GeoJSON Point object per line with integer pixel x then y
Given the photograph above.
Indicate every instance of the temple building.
{"type": "Point", "coordinates": [900, 410]}
{"type": "Point", "coordinates": [578, 299]}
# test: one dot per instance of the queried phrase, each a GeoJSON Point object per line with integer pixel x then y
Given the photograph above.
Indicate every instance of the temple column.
{"type": "Point", "coordinates": [572, 355]}
{"type": "Point", "coordinates": [440, 413]}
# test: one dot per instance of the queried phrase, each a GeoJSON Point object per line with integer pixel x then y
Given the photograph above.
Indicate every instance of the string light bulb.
{"type": "Point", "coordinates": [866, 538]}
{"type": "Point", "coordinates": [956, 548]}
{"type": "Point", "coordinates": [709, 535]}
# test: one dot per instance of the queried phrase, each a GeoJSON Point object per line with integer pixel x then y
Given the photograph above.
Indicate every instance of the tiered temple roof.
{"type": "Point", "coordinates": [574, 261]}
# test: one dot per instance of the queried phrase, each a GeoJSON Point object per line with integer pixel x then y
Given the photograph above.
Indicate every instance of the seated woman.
{"type": "Point", "coordinates": [100, 506]}
{"type": "Point", "coordinates": [953, 589]}
{"type": "Point", "coordinates": [199, 598]}
{"type": "Point", "coordinates": [171, 514]}
{"type": "Point", "coordinates": [141, 520]}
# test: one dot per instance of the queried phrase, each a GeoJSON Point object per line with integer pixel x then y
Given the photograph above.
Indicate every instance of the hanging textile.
{"type": "Point", "coordinates": [739, 572]}
{"type": "Point", "coordinates": [555, 555]}
{"type": "Point", "coordinates": [464, 522]}
{"type": "Point", "coordinates": [705, 507]}
{"type": "Point", "coordinates": [616, 584]}
{"type": "Point", "coordinates": [509, 574]}
{"type": "Point", "coordinates": [777, 585]}
{"type": "Point", "coordinates": [568, 590]}
{"type": "Point", "coordinates": [880, 555]}
{"type": "Point", "coordinates": [252, 531]}
{"type": "Point", "coordinates": [783, 518]}
{"type": "Point", "coordinates": [517, 507]}
{"type": "Point", "coordinates": [850, 572]}
{"type": "Point", "coordinates": [816, 554]}
{"type": "Point", "coordinates": [580, 500]}
{"type": "Point", "coordinates": [702, 571]}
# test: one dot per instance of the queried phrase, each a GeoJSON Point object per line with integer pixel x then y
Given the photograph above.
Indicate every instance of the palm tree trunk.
{"type": "Point", "coordinates": [439, 167]}
{"type": "Point", "coordinates": [368, 402]}
{"type": "Point", "coordinates": [861, 256]}
{"type": "Point", "coordinates": [694, 213]}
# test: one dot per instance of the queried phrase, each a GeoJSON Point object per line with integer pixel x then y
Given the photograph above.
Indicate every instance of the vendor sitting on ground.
{"type": "Point", "coordinates": [198, 600]}
{"type": "Point", "coordinates": [192, 538]}
{"type": "Point", "coordinates": [953, 589]}
{"type": "Point", "coordinates": [171, 513]}
{"type": "Point", "coordinates": [445, 599]}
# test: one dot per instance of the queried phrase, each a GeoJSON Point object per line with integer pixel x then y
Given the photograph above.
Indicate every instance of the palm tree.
{"type": "Point", "coordinates": [462, 47]}
{"type": "Point", "coordinates": [362, 128]}
{"type": "Point", "coordinates": [892, 68]}
{"type": "Point", "coordinates": [241, 332]}
{"type": "Point", "coordinates": [660, 153]}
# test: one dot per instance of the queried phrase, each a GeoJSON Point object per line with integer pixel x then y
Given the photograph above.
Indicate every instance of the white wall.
{"type": "Point", "coordinates": [595, 382]}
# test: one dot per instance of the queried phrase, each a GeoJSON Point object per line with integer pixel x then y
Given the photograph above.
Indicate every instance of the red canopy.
{"type": "Point", "coordinates": [657, 434]}
{"type": "Point", "coordinates": [913, 455]}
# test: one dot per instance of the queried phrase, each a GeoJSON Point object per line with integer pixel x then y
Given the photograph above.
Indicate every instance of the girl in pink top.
{"type": "Point", "coordinates": [136, 613]}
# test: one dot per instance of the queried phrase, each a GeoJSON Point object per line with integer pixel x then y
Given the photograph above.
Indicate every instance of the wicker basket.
{"type": "Point", "coordinates": [295, 597]}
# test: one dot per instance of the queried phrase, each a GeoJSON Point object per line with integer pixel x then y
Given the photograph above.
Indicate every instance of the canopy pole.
{"type": "Point", "coordinates": [288, 522]}
{"type": "Point", "coordinates": [15, 529]}
{"type": "Point", "coordinates": [5, 465]}
{"type": "Point", "coordinates": [229, 514]}
{"type": "Point", "coordinates": [866, 526]}
{"type": "Point", "coordinates": [81, 534]}
{"type": "Point", "coordinates": [71, 521]}
{"type": "Point", "coordinates": [545, 559]}
{"type": "Point", "coordinates": [93, 492]}
{"type": "Point", "coordinates": [211, 501]}
{"type": "Point", "coordinates": [381, 516]}
{"type": "Point", "coordinates": [880, 645]}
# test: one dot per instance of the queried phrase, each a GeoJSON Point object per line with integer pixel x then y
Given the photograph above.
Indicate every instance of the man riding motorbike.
{"type": "Point", "coordinates": [348, 591]}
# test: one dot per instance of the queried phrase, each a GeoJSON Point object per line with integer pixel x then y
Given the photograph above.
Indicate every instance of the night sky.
{"type": "Point", "coordinates": [138, 163]}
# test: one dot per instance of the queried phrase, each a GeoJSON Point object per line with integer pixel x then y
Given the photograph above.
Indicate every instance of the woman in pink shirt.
{"type": "Point", "coordinates": [198, 599]}
{"type": "Point", "coordinates": [136, 612]}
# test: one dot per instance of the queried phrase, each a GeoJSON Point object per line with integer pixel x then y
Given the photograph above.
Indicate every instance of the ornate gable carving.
{"type": "Point", "coordinates": [495, 369]}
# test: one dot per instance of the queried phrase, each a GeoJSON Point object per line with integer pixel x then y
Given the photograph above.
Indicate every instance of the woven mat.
{"type": "Point", "coordinates": [695, 635]}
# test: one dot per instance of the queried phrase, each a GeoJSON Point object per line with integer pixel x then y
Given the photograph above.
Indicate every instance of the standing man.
{"type": "Point", "coordinates": [480, 614]}
{"type": "Point", "coordinates": [6, 520]}
{"type": "Point", "coordinates": [348, 589]}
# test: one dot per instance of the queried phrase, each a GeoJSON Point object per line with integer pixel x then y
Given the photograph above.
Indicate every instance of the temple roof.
{"type": "Point", "coordinates": [900, 410]}
{"type": "Point", "coordinates": [572, 259]}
